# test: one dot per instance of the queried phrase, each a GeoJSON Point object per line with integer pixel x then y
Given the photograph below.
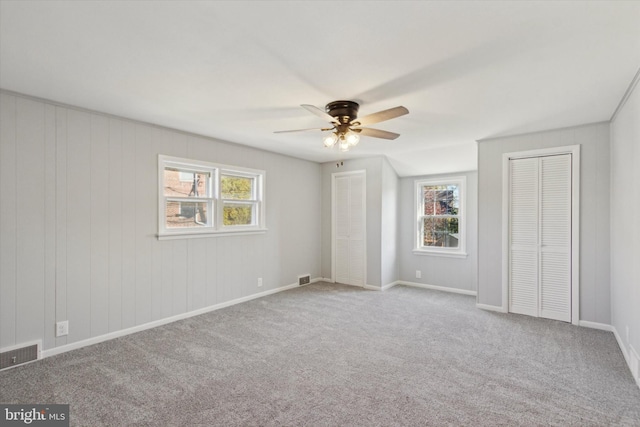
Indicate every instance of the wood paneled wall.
{"type": "Point", "coordinates": [78, 219]}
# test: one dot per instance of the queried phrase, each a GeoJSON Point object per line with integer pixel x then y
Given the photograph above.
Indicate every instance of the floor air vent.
{"type": "Point", "coordinates": [18, 356]}
{"type": "Point", "coordinates": [304, 280]}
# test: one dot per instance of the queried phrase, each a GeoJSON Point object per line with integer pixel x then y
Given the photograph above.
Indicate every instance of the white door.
{"type": "Point", "coordinates": [540, 196]}
{"type": "Point", "coordinates": [348, 218]}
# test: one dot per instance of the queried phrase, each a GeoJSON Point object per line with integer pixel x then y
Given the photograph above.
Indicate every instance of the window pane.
{"type": "Point", "coordinates": [453, 198]}
{"type": "Point", "coordinates": [429, 200]}
{"type": "Point", "coordinates": [440, 232]}
{"type": "Point", "coordinates": [237, 214]}
{"type": "Point", "coordinates": [444, 202]}
{"type": "Point", "coordinates": [180, 183]}
{"type": "Point", "coordinates": [186, 214]}
{"type": "Point", "coordinates": [236, 187]}
{"type": "Point", "coordinates": [186, 176]}
{"type": "Point", "coordinates": [441, 199]}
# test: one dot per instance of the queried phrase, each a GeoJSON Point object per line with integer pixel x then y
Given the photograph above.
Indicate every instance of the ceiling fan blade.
{"type": "Point", "coordinates": [301, 130]}
{"type": "Point", "coordinates": [381, 116]}
{"type": "Point", "coordinates": [377, 133]}
{"type": "Point", "coordinates": [318, 112]}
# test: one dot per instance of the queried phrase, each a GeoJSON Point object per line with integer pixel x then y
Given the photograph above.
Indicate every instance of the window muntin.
{"type": "Point", "coordinates": [440, 216]}
{"type": "Point", "coordinates": [206, 198]}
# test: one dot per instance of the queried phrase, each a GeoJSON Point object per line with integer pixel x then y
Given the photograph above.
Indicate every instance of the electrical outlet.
{"type": "Point", "coordinates": [62, 328]}
{"type": "Point", "coordinates": [418, 274]}
{"type": "Point", "coordinates": [259, 282]}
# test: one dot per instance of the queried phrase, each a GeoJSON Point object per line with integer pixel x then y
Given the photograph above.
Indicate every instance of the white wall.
{"type": "Point", "coordinates": [78, 218]}
{"type": "Point", "coordinates": [454, 273]}
{"type": "Point", "coordinates": [625, 223]}
{"type": "Point", "coordinates": [594, 213]}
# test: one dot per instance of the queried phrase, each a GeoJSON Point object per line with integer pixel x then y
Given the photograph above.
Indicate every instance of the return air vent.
{"type": "Point", "coordinates": [304, 280]}
{"type": "Point", "coordinates": [18, 356]}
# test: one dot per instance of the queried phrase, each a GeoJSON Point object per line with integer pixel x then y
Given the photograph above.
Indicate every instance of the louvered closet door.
{"type": "Point", "coordinates": [540, 237]}
{"type": "Point", "coordinates": [555, 237]}
{"type": "Point", "coordinates": [349, 255]}
{"type": "Point", "coordinates": [523, 229]}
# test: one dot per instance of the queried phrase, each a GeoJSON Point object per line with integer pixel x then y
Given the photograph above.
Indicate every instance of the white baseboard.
{"type": "Point", "coordinates": [497, 308]}
{"type": "Point", "coordinates": [321, 279]}
{"type": "Point", "coordinates": [160, 322]}
{"type": "Point", "coordinates": [369, 287]}
{"type": "Point", "coordinates": [390, 285]}
{"type": "Point", "coordinates": [635, 364]}
{"type": "Point", "coordinates": [349, 284]}
{"type": "Point", "coordinates": [623, 347]}
{"type": "Point", "coordinates": [436, 288]}
{"type": "Point", "coordinates": [381, 288]}
{"type": "Point", "coordinates": [595, 325]}
{"type": "Point", "coordinates": [630, 356]}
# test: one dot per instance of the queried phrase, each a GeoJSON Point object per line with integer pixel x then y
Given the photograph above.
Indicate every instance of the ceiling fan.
{"type": "Point", "coordinates": [347, 127]}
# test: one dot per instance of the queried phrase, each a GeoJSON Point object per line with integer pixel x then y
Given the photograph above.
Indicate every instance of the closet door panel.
{"type": "Point", "coordinates": [555, 237]}
{"type": "Point", "coordinates": [523, 252]}
{"type": "Point", "coordinates": [555, 286]}
{"type": "Point", "coordinates": [342, 221]}
{"type": "Point", "coordinates": [350, 230]}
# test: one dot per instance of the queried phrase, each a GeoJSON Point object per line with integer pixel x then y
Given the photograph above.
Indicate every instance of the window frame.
{"type": "Point", "coordinates": [214, 200]}
{"type": "Point", "coordinates": [418, 247]}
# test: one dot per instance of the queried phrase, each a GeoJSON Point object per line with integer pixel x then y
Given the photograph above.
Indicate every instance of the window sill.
{"type": "Point", "coordinates": [440, 253]}
{"type": "Point", "coordinates": [175, 236]}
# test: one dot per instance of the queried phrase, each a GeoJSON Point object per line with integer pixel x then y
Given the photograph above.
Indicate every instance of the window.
{"type": "Point", "coordinates": [199, 198]}
{"type": "Point", "coordinates": [239, 200]}
{"type": "Point", "coordinates": [440, 217]}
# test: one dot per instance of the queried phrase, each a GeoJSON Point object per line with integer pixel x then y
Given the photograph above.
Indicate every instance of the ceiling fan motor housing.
{"type": "Point", "coordinates": [344, 111]}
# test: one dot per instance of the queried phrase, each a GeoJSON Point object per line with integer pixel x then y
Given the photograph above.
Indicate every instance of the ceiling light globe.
{"type": "Point", "coordinates": [344, 145]}
{"type": "Point", "coordinates": [352, 138]}
{"type": "Point", "coordinates": [330, 140]}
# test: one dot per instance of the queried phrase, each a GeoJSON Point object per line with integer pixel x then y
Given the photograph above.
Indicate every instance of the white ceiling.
{"type": "Point", "coordinates": [239, 70]}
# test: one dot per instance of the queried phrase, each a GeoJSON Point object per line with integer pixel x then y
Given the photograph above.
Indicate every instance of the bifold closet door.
{"type": "Point", "coordinates": [540, 236]}
{"type": "Point", "coordinates": [349, 256]}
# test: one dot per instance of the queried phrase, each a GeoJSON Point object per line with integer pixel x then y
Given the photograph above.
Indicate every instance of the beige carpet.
{"type": "Point", "coordinates": [332, 355]}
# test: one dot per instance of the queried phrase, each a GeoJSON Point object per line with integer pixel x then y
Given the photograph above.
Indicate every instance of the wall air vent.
{"type": "Point", "coordinates": [304, 280]}
{"type": "Point", "coordinates": [19, 355]}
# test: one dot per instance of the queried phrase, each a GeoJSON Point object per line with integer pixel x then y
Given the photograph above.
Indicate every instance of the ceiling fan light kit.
{"type": "Point", "coordinates": [330, 140]}
{"type": "Point", "coordinates": [347, 128]}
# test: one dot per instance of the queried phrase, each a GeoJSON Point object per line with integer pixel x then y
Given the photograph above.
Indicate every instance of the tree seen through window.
{"type": "Point", "coordinates": [234, 190]}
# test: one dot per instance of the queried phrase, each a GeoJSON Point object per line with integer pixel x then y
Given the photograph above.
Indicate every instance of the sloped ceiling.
{"type": "Point", "coordinates": [238, 70]}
